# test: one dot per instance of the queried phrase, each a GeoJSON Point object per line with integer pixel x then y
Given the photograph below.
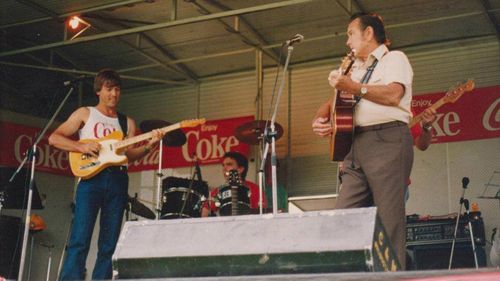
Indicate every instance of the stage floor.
{"type": "Point", "coordinates": [484, 274]}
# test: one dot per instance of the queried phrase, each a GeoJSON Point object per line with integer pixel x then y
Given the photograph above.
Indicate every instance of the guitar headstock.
{"type": "Point", "coordinates": [347, 61]}
{"type": "Point", "coordinates": [233, 178]}
{"type": "Point", "coordinates": [192, 123]}
{"type": "Point", "coordinates": [455, 93]}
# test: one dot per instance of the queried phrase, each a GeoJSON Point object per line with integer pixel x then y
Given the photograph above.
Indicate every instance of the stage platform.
{"type": "Point", "coordinates": [485, 274]}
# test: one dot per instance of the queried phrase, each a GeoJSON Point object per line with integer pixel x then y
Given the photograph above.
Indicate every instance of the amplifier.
{"type": "Point", "coordinates": [440, 231]}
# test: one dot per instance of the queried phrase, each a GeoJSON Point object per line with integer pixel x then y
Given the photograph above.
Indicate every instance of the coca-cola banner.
{"type": "Point", "coordinates": [207, 143]}
{"type": "Point", "coordinates": [475, 115]}
{"type": "Point", "coordinates": [17, 139]}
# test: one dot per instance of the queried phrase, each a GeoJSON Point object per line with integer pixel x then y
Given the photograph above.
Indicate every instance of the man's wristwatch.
{"type": "Point", "coordinates": [427, 127]}
{"type": "Point", "coordinates": [363, 91]}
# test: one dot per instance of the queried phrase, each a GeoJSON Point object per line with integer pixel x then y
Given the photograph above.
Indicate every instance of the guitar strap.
{"type": "Point", "coordinates": [366, 77]}
{"type": "Point", "coordinates": [122, 120]}
{"type": "Point", "coordinates": [364, 80]}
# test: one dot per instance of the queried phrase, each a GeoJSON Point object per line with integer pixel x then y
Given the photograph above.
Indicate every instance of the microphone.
{"type": "Point", "coordinates": [465, 182]}
{"type": "Point", "coordinates": [297, 38]}
{"type": "Point", "coordinates": [77, 79]}
{"type": "Point", "coordinates": [198, 170]}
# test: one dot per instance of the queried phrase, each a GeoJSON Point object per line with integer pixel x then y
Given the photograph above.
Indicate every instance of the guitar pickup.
{"type": "Point", "coordinates": [90, 165]}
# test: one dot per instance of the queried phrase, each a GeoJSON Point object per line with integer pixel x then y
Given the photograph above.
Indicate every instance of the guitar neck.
{"type": "Point", "coordinates": [419, 117]}
{"type": "Point", "coordinates": [234, 200]}
{"type": "Point", "coordinates": [136, 139]}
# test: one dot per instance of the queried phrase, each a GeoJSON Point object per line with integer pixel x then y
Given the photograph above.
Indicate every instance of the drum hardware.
{"type": "Point", "coordinates": [183, 198]}
{"type": "Point", "coordinates": [196, 173]}
{"type": "Point", "coordinates": [49, 263]}
{"type": "Point", "coordinates": [261, 132]}
{"type": "Point", "coordinates": [139, 209]}
{"type": "Point", "coordinates": [173, 138]}
{"type": "Point", "coordinates": [252, 132]}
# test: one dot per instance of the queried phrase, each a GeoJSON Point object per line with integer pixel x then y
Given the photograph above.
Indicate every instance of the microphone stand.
{"type": "Point", "coordinates": [31, 156]}
{"type": "Point", "coordinates": [465, 203]}
{"type": "Point", "coordinates": [159, 175]}
{"type": "Point", "coordinates": [270, 137]}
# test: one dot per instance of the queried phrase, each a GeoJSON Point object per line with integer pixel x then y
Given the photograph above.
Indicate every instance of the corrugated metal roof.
{"type": "Point", "coordinates": [211, 47]}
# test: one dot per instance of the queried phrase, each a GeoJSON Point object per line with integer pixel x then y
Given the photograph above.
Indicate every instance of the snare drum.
{"type": "Point", "coordinates": [180, 201]}
{"type": "Point", "coordinates": [241, 199]}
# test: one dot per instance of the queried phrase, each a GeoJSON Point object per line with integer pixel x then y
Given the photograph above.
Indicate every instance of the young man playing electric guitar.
{"type": "Point", "coordinates": [105, 191]}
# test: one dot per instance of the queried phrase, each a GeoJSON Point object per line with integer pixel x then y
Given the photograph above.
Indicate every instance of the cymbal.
{"type": "Point", "coordinates": [251, 132]}
{"type": "Point", "coordinates": [173, 138]}
{"type": "Point", "coordinates": [140, 209]}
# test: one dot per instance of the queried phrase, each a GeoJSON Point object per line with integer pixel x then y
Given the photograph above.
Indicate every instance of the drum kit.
{"type": "Point", "coordinates": [184, 198]}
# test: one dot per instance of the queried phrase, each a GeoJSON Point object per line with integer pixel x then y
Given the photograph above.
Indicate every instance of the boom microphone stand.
{"type": "Point", "coordinates": [465, 203]}
{"type": "Point", "coordinates": [270, 136]}
{"type": "Point", "coordinates": [31, 157]}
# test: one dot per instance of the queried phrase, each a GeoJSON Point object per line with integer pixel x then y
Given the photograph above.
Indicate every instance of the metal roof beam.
{"type": "Point", "coordinates": [90, 73]}
{"type": "Point", "coordinates": [39, 8]}
{"type": "Point", "coordinates": [262, 41]}
{"type": "Point", "coordinates": [185, 72]}
{"type": "Point", "coordinates": [324, 37]}
{"type": "Point", "coordinates": [494, 22]}
{"type": "Point", "coordinates": [349, 9]}
{"type": "Point", "coordinates": [157, 26]}
{"type": "Point", "coordinates": [82, 11]}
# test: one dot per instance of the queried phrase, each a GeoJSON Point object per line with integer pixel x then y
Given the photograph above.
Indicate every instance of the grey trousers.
{"type": "Point", "coordinates": [374, 174]}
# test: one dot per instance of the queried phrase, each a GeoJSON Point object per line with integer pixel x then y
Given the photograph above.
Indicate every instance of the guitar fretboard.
{"type": "Point", "coordinates": [133, 140]}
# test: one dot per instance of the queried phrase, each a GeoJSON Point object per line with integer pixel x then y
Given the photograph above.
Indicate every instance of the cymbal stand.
{"type": "Point", "coordinates": [49, 263]}
{"type": "Point", "coordinates": [270, 137]}
{"type": "Point", "coordinates": [70, 229]}
{"type": "Point", "coordinates": [159, 176]}
{"type": "Point", "coordinates": [31, 158]}
{"type": "Point", "coordinates": [464, 203]}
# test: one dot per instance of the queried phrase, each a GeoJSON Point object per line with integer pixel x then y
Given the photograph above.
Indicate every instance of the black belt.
{"type": "Point", "coordinates": [376, 127]}
{"type": "Point", "coordinates": [116, 169]}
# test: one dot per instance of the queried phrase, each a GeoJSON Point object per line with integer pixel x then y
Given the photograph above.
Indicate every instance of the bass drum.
{"type": "Point", "coordinates": [241, 199]}
{"type": "Point", "coordinates": [182, 198]}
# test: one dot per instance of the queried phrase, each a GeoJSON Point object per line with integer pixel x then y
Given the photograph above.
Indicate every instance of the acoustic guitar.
{"type": "Point", "coordinates": [113, 147]}
{"type": "Point", "coordinates": [341, 116]}
{"type": "Point", "coordinates": [450, 97]}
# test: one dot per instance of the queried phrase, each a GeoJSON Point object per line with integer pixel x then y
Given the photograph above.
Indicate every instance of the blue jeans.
{"type": "Point", "coordinates": [108, 192]}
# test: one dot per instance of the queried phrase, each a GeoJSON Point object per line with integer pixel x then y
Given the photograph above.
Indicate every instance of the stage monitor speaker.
{"type": "Point", "coordinates": [313, 242]}
{"type": "Point", "coordinates": [437, 256]}
{"type": "Point", "coordinates": [11, 238]}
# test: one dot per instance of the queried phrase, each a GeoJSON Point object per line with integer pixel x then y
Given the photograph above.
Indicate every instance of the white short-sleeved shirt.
{"type": "Point", "coordinates": [392, 67]}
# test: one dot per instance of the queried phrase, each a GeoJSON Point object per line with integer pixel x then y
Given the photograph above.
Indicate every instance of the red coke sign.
{"type": "Point", "coordinates": [207, 142]}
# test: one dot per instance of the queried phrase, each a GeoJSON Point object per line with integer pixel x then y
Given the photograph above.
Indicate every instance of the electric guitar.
{"type": "Point", "coordinates": [450, 97]}
{"type": "Point", "coordinates": [341, 116]}
{"type": "Point", "coordinates": [234, 181]}
{"type": "Point", "coordinates": [112, 151]}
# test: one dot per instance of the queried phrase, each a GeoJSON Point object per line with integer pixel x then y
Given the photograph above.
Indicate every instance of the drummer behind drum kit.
{"type": "Point", "coordinates": [184, 198]}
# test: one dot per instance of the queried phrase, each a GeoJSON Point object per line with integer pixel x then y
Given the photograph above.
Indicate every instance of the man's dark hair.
{"type": "Point", "coordinates": [240, 159]}
{"type": "Point", "coordinates": [374, 21]}
{"type": "Point", "coordinates": [107, 77]}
